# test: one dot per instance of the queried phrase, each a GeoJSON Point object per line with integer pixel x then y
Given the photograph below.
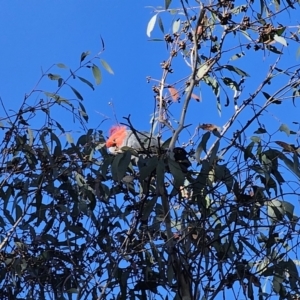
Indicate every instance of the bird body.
{"type": "Point", "coordinates": [120, 136]}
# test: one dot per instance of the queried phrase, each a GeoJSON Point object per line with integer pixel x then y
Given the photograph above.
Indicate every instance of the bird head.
{"type": "Point", "coordinates": [117, 137]}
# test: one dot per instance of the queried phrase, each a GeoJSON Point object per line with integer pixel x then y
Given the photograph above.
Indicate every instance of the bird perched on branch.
{"type": "Point", "coordinates": [120, 137]}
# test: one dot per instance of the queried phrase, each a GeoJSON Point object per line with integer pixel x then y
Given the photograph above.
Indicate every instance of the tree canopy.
{"type": "Point", "coordinates": [213, 213]}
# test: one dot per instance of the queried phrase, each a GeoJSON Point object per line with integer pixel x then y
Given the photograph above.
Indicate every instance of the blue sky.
{"type": "Point", "coordinates": [37, 34]}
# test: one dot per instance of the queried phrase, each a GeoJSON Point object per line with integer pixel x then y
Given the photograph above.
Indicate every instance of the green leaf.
{"type": "Point", "coordinates": [30, 136]}
{"type": "Point", "coordinates": [106, 66]}
{"type": "Point", "coordinates": [53, 76]}
{"type": "Point", "coordinates": [289, 209]}
{"type": "Point", "coordinates": [120, 165]}
{"type": "Point", "coordinates": [273, 49]}
{"type": "Point", "coordinates": [97, 74]}
{"type": "Point", "coordinates": [246, 35]}
{"type": "Point", "coordinates": [69, 138]}
{"type": "Point", "coordinates": [167, 3]}
{"type": "Point", "coordinates": [255, 139]}
{"type": "Point", "coordinates": [176, 26]}
{"type": "Point", "coordinates": [280, 40]}
{"type": "Point", "coordinates": [202, 71]}
{"type": "Point", "coordinates": [285, 128]}
{"type": "Point", "coordinates": [280, 30]}
{"type": "Point", "coordinates": [77, 94]}
{"type": "Point", "coordinates": [214, 152]}
{"type": "Point", "coordinates": [231, 83]}
{"type": "Point", "coordinates": [151, 25]}
{"type": "Point", "coordinates": [62, 66]}
{"type": "Point", "coordinates": [161, 25]}
{"type": "Point", "coordinates": [83, 112]}
{"type": "Point", "coordinates": [146, 167]}
{"type": "Point", "coordinates": [177, 173]}
{"type": "Point", "coordinates": [237, 56]}
{"type": "Point", "coordinates": [202, 146]}
{"type": "Point", "coordinates": [260, 130]}
{"type": "Point", "coordinates": [223, 174]}
{"type": "Point", "coordinates": [234, 69]}
{"type": "Point", "coordinates": [248, 151]}
{"type": "Point", "coordinates": [84, 55]}
{"type": "Point", "coordinates": [275, 210]}
{"type": "Point", "coordinates": [271, 99]}
{"type": "Point", "coordinates": [86, 82]}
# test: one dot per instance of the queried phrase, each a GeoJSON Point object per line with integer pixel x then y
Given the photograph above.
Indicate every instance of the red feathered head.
{"type": "Point", "coordinates": [117, 135]}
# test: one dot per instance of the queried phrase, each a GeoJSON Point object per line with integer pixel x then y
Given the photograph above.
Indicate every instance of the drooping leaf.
{"type": "Point", "coordinates": [30, 136]}
{"type": "Point", "coordinates": [271, 99]}
{"type": "Point", "coordinates": [202, 146]}
{"type": "Point", "coordinates": [120, 165]}
{"type": "Point", "coordinates": [151, 25]}
{"type": "Point", "coordinates": [161, 25]}
{"type": "Point", "coordinates": [174, 93]}
{"type": "Point", "coordinates": [97, 74]}
{"type": "Point", "coordinates": [280, 40]}
{"type": "Point", "coordinates": [194, 96]}
{"type": "Point", "coordinates": [273, 49]}
{"type": "Point", "coordinates": [77, 94]}
{"type": "Point", "coordinates": [86, 82]}
{"type": "Point", "coordinates": [167, 4]}
{"type": "Point", "coordinates": [106, 66]}
{"type": "Point", "coordinates": [176, 26]}
{"type": "Point", "coordinates": [285, 128]}
{"type": "Point", "coordinates": [235, 69]}
{"type": "Point", "coordinates": [83, 112]}
{"type": "Point", "coordinates": [202, 71]}
{"type": "Point", "coordinates": [214, 152]}
{"type": "Point", "coordinates": [69, 138]}
{"type": "Point", "coordinates": [177, 173]}
{"type": "Point", "coordinates": [237, 56]}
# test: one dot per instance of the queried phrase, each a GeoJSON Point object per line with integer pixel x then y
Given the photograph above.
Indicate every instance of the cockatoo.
{"type": "Point", "coordinates": [120, 136]}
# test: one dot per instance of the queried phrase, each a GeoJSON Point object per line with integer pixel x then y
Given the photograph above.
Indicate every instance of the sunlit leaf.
{"type": "Point", "coordinates": [106, 66]}
{"type": "Point", "coordinates": [280, 40]}
{"type": "Point", "coordinates": [237, 56]}
{"type": "Point", "coordinates": [176, 26]}
{"type": "Point", "coordinates": [151, 25]}
{"type": "Point", "coordinates": [69, 138]}
{"type": "Point", "coordinates": [97, 74]}
{"type": "Point", "coordinates": [62, 66]}
{"type": "Point", "coordinates": [30, 136]}
{"type": "Point", "coordinates": [202, 71]}
{"type": "Point", "coordinates": [285, 128]}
